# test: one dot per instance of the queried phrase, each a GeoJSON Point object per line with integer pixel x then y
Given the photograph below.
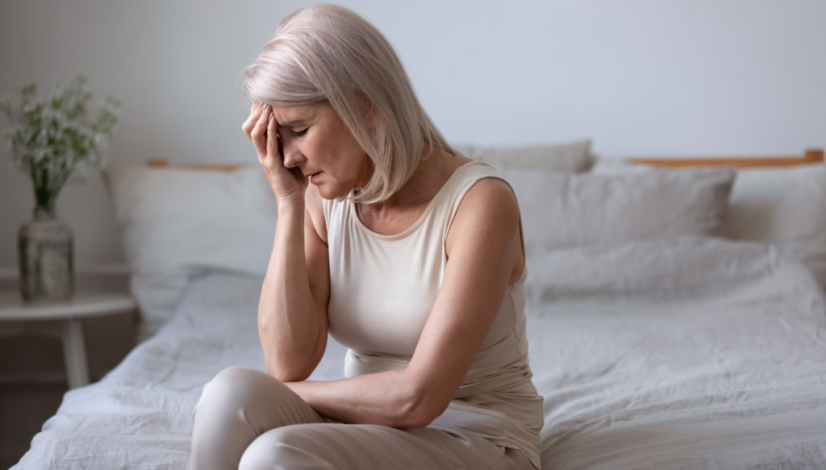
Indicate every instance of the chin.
{"type": "Point", "coordinates": [331, 193]}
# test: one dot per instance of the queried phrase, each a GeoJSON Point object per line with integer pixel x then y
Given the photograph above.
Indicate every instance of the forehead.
{"type": "Point", "coordinates": [288, 114]}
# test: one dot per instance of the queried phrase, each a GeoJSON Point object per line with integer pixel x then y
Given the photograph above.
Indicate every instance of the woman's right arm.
{"type": "Point", "coordinates": [292, 311]}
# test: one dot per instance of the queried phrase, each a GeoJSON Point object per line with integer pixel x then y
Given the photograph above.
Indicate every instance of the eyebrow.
{"type": "Point", "coordinates": [289, 123]}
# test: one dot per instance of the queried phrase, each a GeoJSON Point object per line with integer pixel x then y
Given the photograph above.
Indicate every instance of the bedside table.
{"type": "Point", "coordinates": [64, 320]}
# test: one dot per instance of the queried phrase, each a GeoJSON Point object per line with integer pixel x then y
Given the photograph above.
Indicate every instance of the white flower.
{"type": "Point", "coordinates": [51, 140]}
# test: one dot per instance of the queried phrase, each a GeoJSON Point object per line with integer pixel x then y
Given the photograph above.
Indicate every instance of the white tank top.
{"type": "Point", "coordinates": [382, 289]}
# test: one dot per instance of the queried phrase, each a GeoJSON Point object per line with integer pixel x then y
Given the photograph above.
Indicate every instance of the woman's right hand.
{"type": "Point", "coordinates": [260, 127]}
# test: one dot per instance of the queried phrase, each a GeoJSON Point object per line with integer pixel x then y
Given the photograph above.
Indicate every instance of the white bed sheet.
{"type": "Point", "coordinates": [676, 353]}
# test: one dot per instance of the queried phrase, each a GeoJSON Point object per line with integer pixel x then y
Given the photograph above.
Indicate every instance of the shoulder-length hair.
{"type": "Point", "coordinates": [327, 52]}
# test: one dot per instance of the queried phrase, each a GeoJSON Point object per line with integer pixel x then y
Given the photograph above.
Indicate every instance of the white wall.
{"type": "Point", "coordinates": [639, 77]}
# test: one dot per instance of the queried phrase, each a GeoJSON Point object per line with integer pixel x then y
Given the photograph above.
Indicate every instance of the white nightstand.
{"type": "Point", "coordinates": [65, 320]}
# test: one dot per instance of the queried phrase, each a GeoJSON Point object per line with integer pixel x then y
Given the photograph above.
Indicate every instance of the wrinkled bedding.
{"type": "Point", "coordinates": [672, 353]}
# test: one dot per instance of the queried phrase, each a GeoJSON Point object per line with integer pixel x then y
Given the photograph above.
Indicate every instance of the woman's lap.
{"type": "Point", "coordinates": [349, 446]}
{"type": "Point", "coordinates": [249, 418]}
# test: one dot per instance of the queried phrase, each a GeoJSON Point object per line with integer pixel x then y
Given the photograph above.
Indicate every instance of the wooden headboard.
{"type": "Point", "coordinates": [809, 157]}
{"type": "Point", "coordinates": [161, 163]}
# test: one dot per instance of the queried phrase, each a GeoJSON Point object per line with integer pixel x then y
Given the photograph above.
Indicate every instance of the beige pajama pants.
{"type": "Point", "coordinates": [247, 419]}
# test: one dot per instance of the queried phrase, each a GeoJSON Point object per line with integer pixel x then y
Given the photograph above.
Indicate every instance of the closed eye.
{"type": "Point", "coordinates": [300, 133]}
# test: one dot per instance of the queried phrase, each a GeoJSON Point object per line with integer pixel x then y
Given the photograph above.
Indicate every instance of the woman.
{"type": "Point", "coordinates": [404, 251]}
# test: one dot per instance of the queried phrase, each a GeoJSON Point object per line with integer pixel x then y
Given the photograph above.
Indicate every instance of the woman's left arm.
{"type": "Point", "coordinates": [484, 247]}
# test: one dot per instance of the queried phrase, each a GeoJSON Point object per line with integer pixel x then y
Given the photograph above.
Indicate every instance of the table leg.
{"type": "Point", "coordinates": [74, 352]}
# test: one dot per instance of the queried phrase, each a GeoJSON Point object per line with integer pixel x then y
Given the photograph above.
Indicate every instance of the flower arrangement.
{"type": "Point", "coordinates": [52, 139]}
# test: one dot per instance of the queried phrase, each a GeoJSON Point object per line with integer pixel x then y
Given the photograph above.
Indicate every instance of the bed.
{"type": "Point", "coordinates": [657, 344]}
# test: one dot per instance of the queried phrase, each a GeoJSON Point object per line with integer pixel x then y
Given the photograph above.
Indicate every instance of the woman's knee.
{"type": "Point", "coordinates": [284, 448]}
{"type": "Point", "coordinates": [262, 400]}
{"type": "Point", "coordinates": [236, 386]}
{"type": "Point", "coordinates": [240, 378]}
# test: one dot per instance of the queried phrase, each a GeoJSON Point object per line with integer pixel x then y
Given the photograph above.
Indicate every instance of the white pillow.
{"type": "Point", "coordinates": [571, 157]}
{"type": "Point", "coordinates": [786, 207]}
{"type": "Point", "coordinates": [176, 222]}
{"type": "Point", "coordinates": [561, 211]}
{"type": "Point", "coordinates": [782, 206]}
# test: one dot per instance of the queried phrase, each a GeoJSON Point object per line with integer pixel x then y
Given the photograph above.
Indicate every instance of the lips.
{"type": "Point", "coordinates": [314, 176]}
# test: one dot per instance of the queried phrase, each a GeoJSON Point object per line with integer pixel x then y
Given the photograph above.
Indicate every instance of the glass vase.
{"type": "Point", "coordinates": [44, 247]}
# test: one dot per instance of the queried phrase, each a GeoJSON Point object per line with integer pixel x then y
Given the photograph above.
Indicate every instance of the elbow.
{"type": "Point", "coordinates": [419, 409]}
{"type": "Point", "coordinates": [285, 374]}
{"type": "Point", "coordinates": [287, 363]}
{"type": "Point", "coordinates": [417, 419]}
{"type": "Point", "coordinates": [289, 367]}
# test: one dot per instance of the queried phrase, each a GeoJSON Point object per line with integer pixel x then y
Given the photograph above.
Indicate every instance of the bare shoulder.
{"type": "Point", "coordinates": [490, 205]}
{"type": "Point", "coordinates": [490, 198]}
{"type": "Point", "coordinates": [314, 204]}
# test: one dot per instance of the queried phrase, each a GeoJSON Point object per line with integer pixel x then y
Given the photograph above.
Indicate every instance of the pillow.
{"type": "Point", "coordinates": [786, 207]}
{"type": "Point", "coordinates": [572, 157]}
{"type": "Point", "coordinates": [663, 270]}
{"type": "Point", "coordinates": [176, 222]}
{"type": "Point", "coordinates": [782, 206]}
{"type": "Point", "coordinates": [561, 211]}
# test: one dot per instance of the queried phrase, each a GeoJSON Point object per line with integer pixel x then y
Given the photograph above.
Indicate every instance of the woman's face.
{"type": "Point", "coordinates": [316, 141]}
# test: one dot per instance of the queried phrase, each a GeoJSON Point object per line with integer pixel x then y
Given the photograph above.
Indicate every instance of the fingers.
{"type": "Point", "coordinates": [249, 124]}
{"type": "Point", "coordinates": [272, 138]}
{"type": "Point", "coordinates": [259, 132]}
{"type": "Point", "coordinates": [261, 128]}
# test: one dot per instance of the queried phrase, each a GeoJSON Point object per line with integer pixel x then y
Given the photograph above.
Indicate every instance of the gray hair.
{"type": "Point", "coordinates": [327, 52]}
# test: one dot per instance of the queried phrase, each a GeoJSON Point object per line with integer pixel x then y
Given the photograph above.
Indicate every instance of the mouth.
{"type": "Point", "coordinates": [314, 176]}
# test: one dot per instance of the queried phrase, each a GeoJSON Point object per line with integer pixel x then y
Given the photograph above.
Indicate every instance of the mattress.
{"type": "Point", "coordinates": [688, 352]}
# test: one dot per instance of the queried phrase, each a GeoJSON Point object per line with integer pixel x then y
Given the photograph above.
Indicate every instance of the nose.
{"type": "Point", "coordinates": [292, 155]}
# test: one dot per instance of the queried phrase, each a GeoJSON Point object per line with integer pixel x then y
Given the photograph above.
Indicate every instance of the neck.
{"type": "Point", "coordinates": [429, 176]}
